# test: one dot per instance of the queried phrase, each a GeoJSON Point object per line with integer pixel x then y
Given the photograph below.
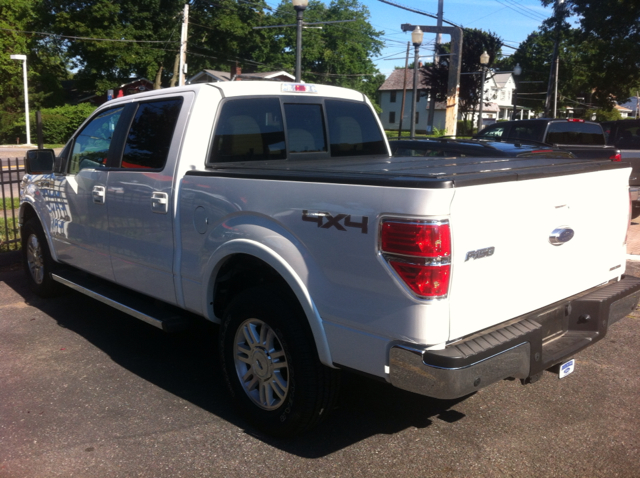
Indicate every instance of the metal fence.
{"type": "Point", "coordinates": [11, 172]}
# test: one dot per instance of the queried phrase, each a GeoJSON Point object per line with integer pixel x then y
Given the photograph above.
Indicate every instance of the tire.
{"type": "Point", "coordinates": [271, 366]}
{"type": "Point", "coordinates": [37, 261]}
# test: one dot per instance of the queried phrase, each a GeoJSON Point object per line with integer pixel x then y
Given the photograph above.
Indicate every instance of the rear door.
{"type": "Point", "coordinates": [140, 195]}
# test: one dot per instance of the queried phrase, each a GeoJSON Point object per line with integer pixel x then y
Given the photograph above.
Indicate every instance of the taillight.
{"type": "Point", "coordinates": [616, 158]}
{"type": "Point", "coordinates": [575, 120]}
{"type": "Point", "coordinates": [420, 254]}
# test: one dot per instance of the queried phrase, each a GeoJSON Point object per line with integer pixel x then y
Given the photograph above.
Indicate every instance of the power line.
{"type": "Point", "coordinates": [70, 37]}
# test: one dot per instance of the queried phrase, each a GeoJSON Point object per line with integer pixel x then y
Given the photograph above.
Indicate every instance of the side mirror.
{"type": "Point", "coordinates": [40, 161]}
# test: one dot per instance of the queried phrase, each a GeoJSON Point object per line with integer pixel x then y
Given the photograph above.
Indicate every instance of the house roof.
{"type": "Point", "coordinates": [501, 79]}
{"type": "Point", "coordinates": [216, 75]}
{"type": "Point", "coordinates": [622, 108]}
{"type": "Point", "coordinates": [396, 79]}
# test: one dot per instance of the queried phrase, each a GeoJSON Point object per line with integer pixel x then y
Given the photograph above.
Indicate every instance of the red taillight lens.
{"type": "Point", "coordinates": [616, 158]}
{"type": "Point", "coordinates": [427, 281]}
{"type": "Point", "coordinates": [419, 253]}
{"type": "Point", "coordinates": [416, 239]}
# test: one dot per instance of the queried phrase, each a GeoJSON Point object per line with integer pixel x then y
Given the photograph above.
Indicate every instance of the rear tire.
{"type": "Point", "coordinates": [271, 365]}
{"type": "Point", "coordinates": [37, 261]}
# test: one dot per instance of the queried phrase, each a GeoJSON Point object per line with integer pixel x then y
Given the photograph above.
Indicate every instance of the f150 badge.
{"type": "Point", "coordinates": [480, 253]}
{"type": "Point", "coordinates": [326, 220]}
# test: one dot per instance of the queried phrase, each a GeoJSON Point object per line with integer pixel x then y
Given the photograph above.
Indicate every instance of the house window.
{"type": "Point", "coordinates": [393, 96]}
{"type": "Point", "coordinates": [392, 117]}
{"type": "Point", "coordinates": [417, 117]}
{"type": "Point", "coordinates": [417, 97]}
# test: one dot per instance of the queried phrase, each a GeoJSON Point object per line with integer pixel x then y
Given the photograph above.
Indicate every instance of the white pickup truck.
{"type": "Point", "coordinates": [277, 211]}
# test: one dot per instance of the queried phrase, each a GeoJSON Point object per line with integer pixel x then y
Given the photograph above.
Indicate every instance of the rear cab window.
{"type": "Point", "coordinates": [279, 128]}
{"type": "Point", "coordinates": [570, 132]}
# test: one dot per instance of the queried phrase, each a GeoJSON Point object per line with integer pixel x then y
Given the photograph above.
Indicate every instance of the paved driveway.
{"type": "Point", "coordinates": [88, 392]}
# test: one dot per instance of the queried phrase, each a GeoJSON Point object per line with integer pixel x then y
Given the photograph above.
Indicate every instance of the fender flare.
{"type": "Point", "coordinates": [282, 267]}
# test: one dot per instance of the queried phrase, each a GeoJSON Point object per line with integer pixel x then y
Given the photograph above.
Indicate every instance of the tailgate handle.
{"type": "Point", "coordinates": [561, 235]}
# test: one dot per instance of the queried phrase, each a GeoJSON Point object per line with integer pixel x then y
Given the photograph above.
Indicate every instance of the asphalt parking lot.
{"type": "Point", "coordinates": [88, 392]}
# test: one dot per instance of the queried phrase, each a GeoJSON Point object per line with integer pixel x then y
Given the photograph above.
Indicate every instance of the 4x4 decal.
{"type": "Point", "coordinates": [326, 220]}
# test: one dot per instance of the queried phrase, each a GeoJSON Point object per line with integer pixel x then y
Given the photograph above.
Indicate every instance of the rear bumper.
{"type": "Point", "coordinates": [633, 193]}
{"type": "Point", "coordinates": [520, 348]}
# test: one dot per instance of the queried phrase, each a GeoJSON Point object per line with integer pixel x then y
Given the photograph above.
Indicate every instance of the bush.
{"type": "Point", "coordinates": [58, 124]}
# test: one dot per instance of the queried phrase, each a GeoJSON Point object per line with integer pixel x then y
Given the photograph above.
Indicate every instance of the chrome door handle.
{"type": "Point", "coordinates": [98, 194]}
{"type": "Point", "coordinates": [160, 202]}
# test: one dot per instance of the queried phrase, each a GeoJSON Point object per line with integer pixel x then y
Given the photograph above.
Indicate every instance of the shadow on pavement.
{"type": "Point", "coordinates": [185, 364]}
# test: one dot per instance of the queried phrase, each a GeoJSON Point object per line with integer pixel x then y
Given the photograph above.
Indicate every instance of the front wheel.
{"type": "Point", "coordinates": [37, 260]}
{"type": "Point", "coordinates": [271, 366]}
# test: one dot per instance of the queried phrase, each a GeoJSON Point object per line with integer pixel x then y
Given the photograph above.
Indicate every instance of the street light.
{"type": "Point", "coordinates": [23, 58]}
{"type": "Point", "coordinates": [300, 6]}
{"type": "Point", "coordinates": [416, 39]}
{"type": "Point", "coordinates": [517, 70]}
{"type": "Point", "coordinates": [484, 61]}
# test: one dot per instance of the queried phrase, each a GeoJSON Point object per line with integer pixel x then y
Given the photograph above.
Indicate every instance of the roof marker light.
{"type": "Point", "coordinates": [299, 88]}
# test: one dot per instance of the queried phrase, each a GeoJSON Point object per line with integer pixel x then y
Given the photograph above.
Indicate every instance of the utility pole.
{"type": "Point", "coordinates": [436, 60]}
{"type": "Point", "coordinates": [183, 46]}
{"type": "Point", "coordinates": [404, 90]}
{"type": "Point", "coordinates": [553, 73]}
{"type": "Point", "coordinates": [455, 62]}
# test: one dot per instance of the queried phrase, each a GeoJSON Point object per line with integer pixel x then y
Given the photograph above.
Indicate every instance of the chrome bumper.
{"type": "Point", "coordinates": [521, 348]}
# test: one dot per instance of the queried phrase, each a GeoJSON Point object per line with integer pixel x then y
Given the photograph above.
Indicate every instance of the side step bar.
{"type": "Point", "coordinates": [137, 305]}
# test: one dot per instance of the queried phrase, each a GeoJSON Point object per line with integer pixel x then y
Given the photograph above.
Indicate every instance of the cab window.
{"type": "Point", "coordinates": [353, 130]}
{"type": "Point", "coordinates": [249, 129]}
{"type": "Point", "coordinates": [91, 146]}
{"type": "Point", "coordinates": [150, 135]}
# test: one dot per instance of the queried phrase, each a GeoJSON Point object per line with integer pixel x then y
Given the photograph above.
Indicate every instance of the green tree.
{"type": "Point", "coordinates": [102, 64]}
{"type": "Point", "coordinates": [534, 55]}
{"type": "Point", "coordinates": [610, 30]}
{"type": "Point", "coordinates": [339, 54]}
{"type": "Point", "coordinates": [474, 43]}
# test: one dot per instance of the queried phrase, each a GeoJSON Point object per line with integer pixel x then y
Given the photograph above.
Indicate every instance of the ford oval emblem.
{"type": "Point", "coordinates": [561, 235]}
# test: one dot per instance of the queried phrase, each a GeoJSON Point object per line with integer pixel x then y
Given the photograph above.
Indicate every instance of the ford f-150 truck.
{"type": "Point", "coordinates": [585, 139]}
{"type": "Point", "coordinates": [277, 211]}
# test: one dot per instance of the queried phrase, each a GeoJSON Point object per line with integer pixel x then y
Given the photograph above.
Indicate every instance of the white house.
{"type": "Point", "coordinates": [498, 96]}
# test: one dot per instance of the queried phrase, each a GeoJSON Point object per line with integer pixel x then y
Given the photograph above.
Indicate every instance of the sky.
{"type": "Point", "coordinates": [511, 20]}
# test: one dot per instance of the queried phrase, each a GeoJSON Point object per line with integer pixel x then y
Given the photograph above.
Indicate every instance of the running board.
{"type": "Point", "coordinates": [137, 305]}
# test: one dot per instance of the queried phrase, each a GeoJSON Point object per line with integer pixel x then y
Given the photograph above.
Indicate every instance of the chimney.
{"type": "Point", "coordinates": [235, 72]}
{"type": "Point", "coordinates": [419, 64]}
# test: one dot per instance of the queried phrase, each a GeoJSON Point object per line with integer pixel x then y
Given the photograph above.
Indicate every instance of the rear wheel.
{"type": "Point", "coordinates": [37, 260]}
{"type": "Point", "coordinates": [271, 366]}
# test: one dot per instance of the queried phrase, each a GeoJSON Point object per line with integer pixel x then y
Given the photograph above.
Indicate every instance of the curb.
{"type": "Point", "coordinates": [9, 258]}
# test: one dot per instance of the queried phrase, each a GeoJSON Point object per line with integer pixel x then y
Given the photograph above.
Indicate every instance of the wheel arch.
{"type": "Point", "coordinates": [252, 260]}
{"type": "Point", "coordinates": [27, 212]}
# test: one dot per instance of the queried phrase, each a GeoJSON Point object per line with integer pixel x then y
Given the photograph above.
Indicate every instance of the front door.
{"type": "Point", "coordinates": [79, 228]}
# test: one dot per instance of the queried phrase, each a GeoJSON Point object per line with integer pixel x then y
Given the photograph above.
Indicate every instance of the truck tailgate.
{"type": "Point", "coordinates": [525, 271]}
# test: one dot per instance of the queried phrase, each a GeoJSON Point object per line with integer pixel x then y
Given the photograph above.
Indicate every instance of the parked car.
{"type": "Point", "coordinates": [625, 136]}
{"type": "Point", "coordinates": [444, 147]}
{"type": "Point", "coordinates": [583, 138]}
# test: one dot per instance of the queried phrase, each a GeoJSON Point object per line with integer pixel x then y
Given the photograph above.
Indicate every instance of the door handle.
{"type": "Point", "coordinates": [160, 202]}
{"type": "Point", "coordinates": [98, 194]}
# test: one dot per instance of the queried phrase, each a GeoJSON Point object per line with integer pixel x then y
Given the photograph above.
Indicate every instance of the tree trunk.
{"type": "Point", "coordinates": [158, 83]}
{"type": "Point", "coordinates": [176, 67]}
